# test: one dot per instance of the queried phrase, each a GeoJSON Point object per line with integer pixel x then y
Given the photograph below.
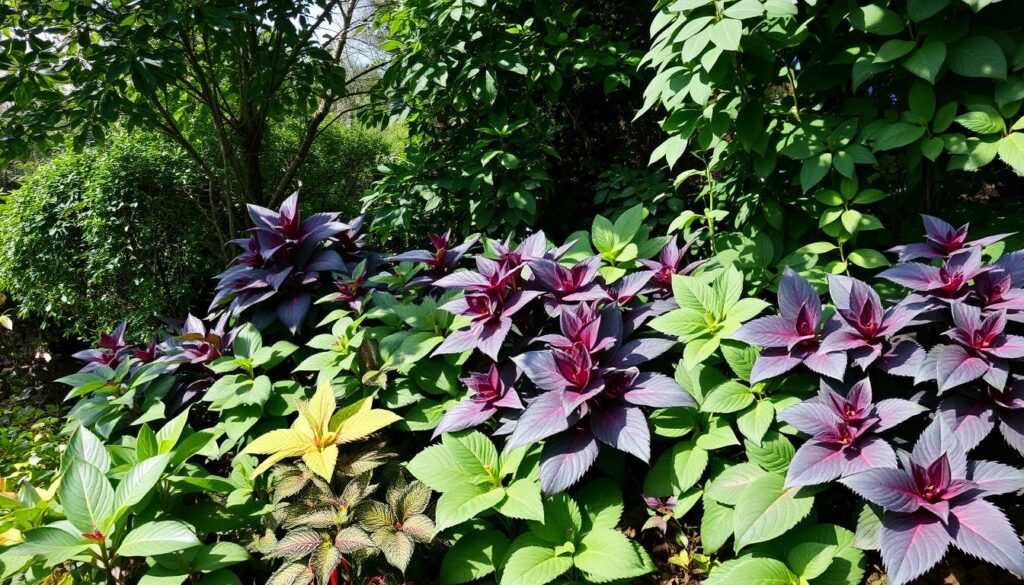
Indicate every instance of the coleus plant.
{"type": "Point", "coordinates": [440, 261]}
{"type": "Point", "coordinates": [318, 430]}
{"type": "Point", "coordinates": [982, 349]}
{"type": "Point", "coordinates": [844, 429]}
{"type": "Point", "coordinates": [795, 335]}
{"type": "Point", "coordinates": [867, 331]}
{"type": "Point", "coordinates": [974, 413]}
{"type": "Point", "coordinates": [328, 532]}
{"type": "Point", "coordinates": [936, 499]}
{"type": "Point", "coordinates": [942, 240]}
{"type": "Point", "coordinates": [285, 258]}
{"type": "Point", "coordinates": [472, 477]}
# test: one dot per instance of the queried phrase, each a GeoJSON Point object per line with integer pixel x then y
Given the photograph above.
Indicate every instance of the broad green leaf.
{"type": "Point", "coordinates": [531, 561]}
{"type": "Point", "coordinates": [522, 500]}
{"type": "Point", "coordinates": [715, 525]}
{"type": "Point", "coordinates": [139, 481]}
{"type": "Point", "coordinates": [563, 521]}
{"type": "Point", "coordinates": [745, 9]}
{"type": "Point", "coordinates": [717, 435]}
{"type": "Point", "coordinates": [676, 470]}
{"type": "Point", "coordinates": [983, 120]}
{"type": "Point", "coordinates": [732, 396]}
{"type": "Point", "coordinates": [755, 422]}
{"type": "Point", "coordinates": [927, 60]}
{"type": "Point", "coordinates": [814, 170]}
{"type": "Point", "coordinates": [86, 496]}
{"type": "Point", "coordinates": [85, 446]}
{"type": "Point", "coordinates": [473, 556]}
{"type": "Point", "coordinates": [810, 559]}
{"type": "Point", "coordinates": [876, 20]}
{"type": "Point", "coordinates": [773, 454]}
{"type": "Point", "coordinates": [867, 258]}
{"type": "Point", "coordinates": [436, 467]}
{"type": "Point", "coordinates": [168, 435]}
{"type": "Point", "coordinates": [728, 486]}
{"type": "Point", "coordinates": [1011, 150]}
{"type": "Point", "coordinates": [726, 34]}
{"type": "Point", "coordinates": [628, 224]}
{"type": "Point", "coordinates": [474, 453]}
{"type": "Point", "coordinates": [602, 233]}
{"type": "Point", "coordinates": [607, 555]}
{"type": "Point", "coordinates": [896, 135]}
{"type": "Point", "coordinates": [767, 509]}
{"type": "Point", "coordinates": [601, 503]}
{"type": "Point", "coordinates": [53, 544]}
{"type": "Point", "coordinates": [978, 56]}
{"type": "Point", "coordinates": [751, 571]}
{"type": "Point", "coordinates": [219, 555]}
{"type": "Point", "coordinates": [919, 10]}
{"type": "Point", "coordinates": [157, 538]}
{"type": "Point", "coordinates": [461, 504]}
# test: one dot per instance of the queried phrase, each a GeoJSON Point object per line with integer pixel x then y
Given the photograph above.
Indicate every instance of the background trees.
{"type": "Point", "coordinates": [214, 76]}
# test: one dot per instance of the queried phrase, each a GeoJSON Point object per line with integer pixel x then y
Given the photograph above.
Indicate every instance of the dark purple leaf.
{"type": "Point", "coordinates": [565, 458]}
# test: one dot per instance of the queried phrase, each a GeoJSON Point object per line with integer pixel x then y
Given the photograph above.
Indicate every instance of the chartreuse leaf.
{"type": "Point", "coordinates": [315, 434]}
{"type": "Point", "coordinates": [86, 496]}
{"type": "Point", "coordinates": [810, 559]}
{"type": "Point", "coordinates": [460, 504]}
{"type": "Point", "coordinates": [436, 467]}
{"type": "Point", "coordinates": [532, 561]}
{"type": "Point", "coordinates": [607, 555]}
{"type": "Point", "coordinates": [752, 571]}
{"type": "Point", "coordinates": [522, 500]}
{"type": "Point", "coordinates": [157, 538]}
{"type": "Point", "coordinates": [766, 509]}
{"type": "Point", "coordinates": [473, 556]}
{"type": "Point", "coordinates": [474, 453]}
{"type": "Point", "coordinates": [563, 521]}
{"type": "Point", "coordinates": [715, 525]}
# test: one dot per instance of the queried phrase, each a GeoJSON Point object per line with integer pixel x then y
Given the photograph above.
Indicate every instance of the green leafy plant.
{"type": "Point", "coordinates": [473, 478]}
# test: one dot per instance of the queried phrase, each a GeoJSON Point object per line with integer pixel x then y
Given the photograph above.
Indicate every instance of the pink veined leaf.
{"type": "Point", "coordinates": [892, 489]}
{"type": "Point", "coordinates": [995, 478]}
{"type": "Point", "coordinates": [871, 453]}
{"type": "Point", "coordinates": [624, 428]}
{"type": "Point", "coordinates": [815, 463]}
{"type": "Point", "coordinates": [893, 411]}
{"type": "Point", "coordinates": [657, 391]}
{"type": "Point", "coordinates": [565, 458]}
{"type": "Point", "coordinates": [980, 529]}
{"type": "Point", "coordinates": [911, 544]}
{"type": "Point", "coordinates": [810, 417]}
{"type": "Point", "coordinates": [543, 417]}
{"type": "Point", "coordinates": [955, 367]}
{"type": "Point", "coordinates": [938, 440]}
{"type": "Point", "coordinates": [971, 420]}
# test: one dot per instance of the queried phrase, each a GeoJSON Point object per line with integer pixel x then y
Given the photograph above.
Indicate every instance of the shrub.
{"type": "Point", "coordinates": [107, 234]}
{"type": "Point", "coordinates": [795, 123]}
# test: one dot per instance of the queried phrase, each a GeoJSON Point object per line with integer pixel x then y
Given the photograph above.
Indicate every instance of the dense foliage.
{"type": "Point", "coordinates": [752, 367]}
{"type": "Point", "coordinates": [518, 112]}
{"type": "Point", "coordinates": [796, 123]}
{"type": "Point", "coordinates": [107, 234]}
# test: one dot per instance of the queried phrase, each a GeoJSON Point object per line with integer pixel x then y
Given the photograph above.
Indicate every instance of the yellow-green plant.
{"type": "Point", "coordinates": [318, 430]}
